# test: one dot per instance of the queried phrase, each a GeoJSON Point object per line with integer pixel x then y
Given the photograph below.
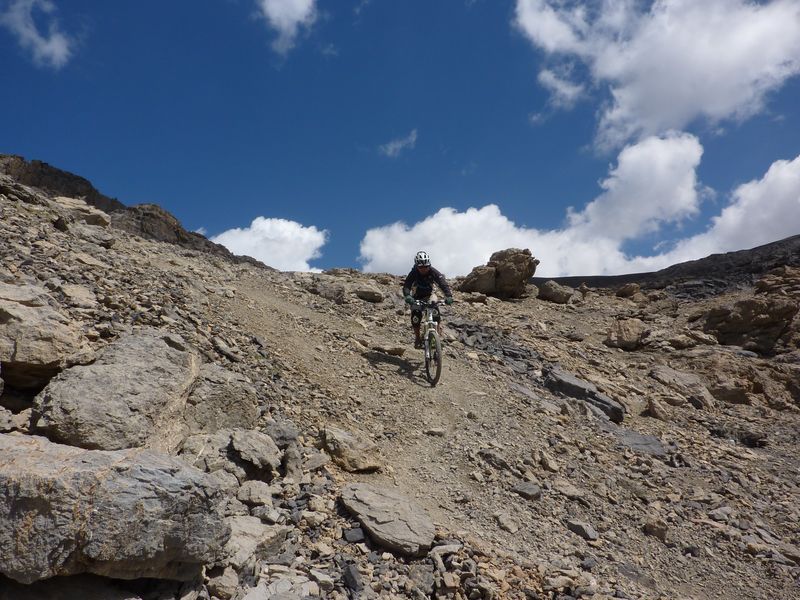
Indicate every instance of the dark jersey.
{"type": "Point", "coordinates": [424, 283]}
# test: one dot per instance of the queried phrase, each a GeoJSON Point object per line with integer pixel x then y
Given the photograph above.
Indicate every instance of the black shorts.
{"type": "Point", "coordinates": [416, 314]}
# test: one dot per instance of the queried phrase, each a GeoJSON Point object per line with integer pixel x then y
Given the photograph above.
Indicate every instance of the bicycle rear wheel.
{"type": "Point", "coordinates": [433, 358]}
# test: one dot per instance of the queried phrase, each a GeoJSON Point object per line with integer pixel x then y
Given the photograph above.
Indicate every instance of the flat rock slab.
{"type": "Point", "coordinates": [133, 395]}
{"type": "Point", "coordinates": [392, 520]}
{"type": "Point", "coordinates": [125, 514]}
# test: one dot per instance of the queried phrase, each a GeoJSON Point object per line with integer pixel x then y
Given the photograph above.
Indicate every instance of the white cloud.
{"type": "Point", "coordinates": [279, 243]}
{"type": "Point", "coordinates": [563, 92]}
{"type": "Point", "coordinates": [672, 63]}
{"type": "Point", "coordinates": [201, 230]}
{"type": "Point", "coordinates": [286, 17]}
{"type": "Point", "coordinates": [653, 184]}
{"type": "Point", "coordinates": [53, 48]}
{"type": "Point", "coordinates": [395, 147]}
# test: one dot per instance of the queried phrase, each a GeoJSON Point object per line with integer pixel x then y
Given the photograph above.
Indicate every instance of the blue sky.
{"type": "Point", "coordinates": [606, 136]}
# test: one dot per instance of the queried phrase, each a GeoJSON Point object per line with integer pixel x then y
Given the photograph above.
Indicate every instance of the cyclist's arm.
{"type": "Point", "coordinates": [408, 283]}
{"type": "Point", "coordinates": [442, 283]}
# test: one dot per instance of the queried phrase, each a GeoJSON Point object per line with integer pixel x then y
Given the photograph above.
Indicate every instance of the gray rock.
{"type": "Point", "coordinates": [753, 323]}
{"type": "Point", "coordinates": [392, 520]}
{"type": "Point", "coordinates": [251, 541]}
{"type": "Point", "coordinates": [212, 453]}
{"type": "Point", "coordinates": [282, 433]}
{"type": "Point", "coordinates": [258, 449]}
{"type": "Point", "coordinates": [554, 292]}
{"type": "Point", "coordinates": [255, 493]}
{"type": "Point", "coordinates": [223, 582]}
{"type": "Point", "coordinates": [133, 395]}
{"type": "Point", "coordinates": [36, 342]}
{"type": "Point", "coordinates": [528, 490]}
{"type": "Point", "coordinates": [369, 293]}
{"type": "Point", "coordinates": [628, 290]}
{"type": "Point", "coordinates": [125, 514]}
{"type": "Point", "coordinates": [585, 530]}
{"type": "Point", "coordinates": [352, 453]}
{"type": "Point", "coordinates": [558, 380]}
{"type": "Point", "coordinates": [221, 399]}
{"type": "Point", "coordinates": [689, 385]}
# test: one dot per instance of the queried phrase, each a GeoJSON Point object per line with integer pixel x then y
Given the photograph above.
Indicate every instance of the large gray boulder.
{"type": "Point", "coordinates": [555, 292]}
{"type": "Point", "coordinates": [36, 342]}
{"type": "Point", "coordinates": [133, 395]}
{"type": "Point", "coordinates": [125, 514]}
{"type": "Point", "coordinates": [505, 275]}
{"type": "Point", "coordinates": [392, 520]}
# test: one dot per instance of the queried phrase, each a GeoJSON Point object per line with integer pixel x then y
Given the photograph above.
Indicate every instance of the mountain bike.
{"type": "Point", "coordinates": [430, 340]}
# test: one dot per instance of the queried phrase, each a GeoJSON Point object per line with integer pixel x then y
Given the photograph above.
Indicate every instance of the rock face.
{"type": "Point", "coordinates": [554, 292]}
{"type": "Point", "coordinates": [753, 323]}
{"type": "Point", "coordinates": [391, 519]}
{"type": "Point", "coordinates": [36, 342]}
{"type": "Point", "coordinates": [133, 395]}
{"type": "Point", "coordinates": [125, 514]}
{"type": "Point", "coordinates": [505, 275]}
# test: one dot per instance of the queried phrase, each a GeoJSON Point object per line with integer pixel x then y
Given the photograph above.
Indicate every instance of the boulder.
{"type": "Point", "coordinates": [350, 452]}
{"type": "Point", "coordinates": [251, 541]}
{"type": "Point", "coordinates": [257, 449]}
{"type": "Point", "coordinates": [753, 323]}
{"type": "Point", "coordinates": [369, 293]}
{"type": "Point", "coordinates": [36, 342]}
{"type": "Point", "coordinates": [505, 275]}
{"type": "Point", "coordinates": [392, 520]}
{"type": "Point", "coordinates": [627, 334]}
{"type": "Point", "coordinates": [221, 399]}
{"type": "Point", "coordinates": [335, 292]}
{"type": "Point", "coordinates": [125, 514]}
{"type": "Point", "coordinates": [554, 292]}
{"type": "Point", "coordinates": [133, 395]}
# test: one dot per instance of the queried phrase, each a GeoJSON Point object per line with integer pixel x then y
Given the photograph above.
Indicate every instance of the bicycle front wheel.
{"type": "Point", "coordinates": [433, 358]}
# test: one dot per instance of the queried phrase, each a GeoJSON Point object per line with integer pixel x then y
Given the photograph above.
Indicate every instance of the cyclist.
{"type": "Point", "coordinates": [420, 281]}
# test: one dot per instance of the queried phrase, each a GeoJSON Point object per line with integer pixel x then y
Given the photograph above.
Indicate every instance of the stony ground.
{"type": "Point", "coordinates": [696, 494]}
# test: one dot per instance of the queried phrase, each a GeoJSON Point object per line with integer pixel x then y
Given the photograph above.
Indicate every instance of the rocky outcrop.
{"type": "Point", "coordinates": [753, 323]}
{"type": "Point", "coordinates": [36, 342]}
{"type": "Point", "coordinates": [392, 520]}
{"type": "Point", "coordinates": [124, 514]}
{"type": "Point", "coordinates": [505, 275]}
{"type": "Point", "coordinates": [133, 395]}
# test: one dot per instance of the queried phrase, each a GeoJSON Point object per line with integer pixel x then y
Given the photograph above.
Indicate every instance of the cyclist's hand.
{"type": "Point", "coordinates": [409, 299]}
{"type": "Point", "coordinates": [448, 300]}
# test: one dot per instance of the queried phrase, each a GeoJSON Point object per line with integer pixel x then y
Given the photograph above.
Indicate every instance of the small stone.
{"type": "Point", "coordinates": [354, 535]}
{"type": "Point", "coordinates": [324, 580]}
{"type": "Point", "coordinates": [352, 578]}
{"type": "Point", "coordinates": [528, 490]}
{"type": "Point", "coordinates": [657, 528]}
{"type": "Point", "coordinates": [585, 530]}
{"type": "Point", "coordinates": [506, 523]}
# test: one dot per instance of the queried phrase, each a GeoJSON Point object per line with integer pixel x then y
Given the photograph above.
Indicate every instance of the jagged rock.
{"type": "Point", "coordinates": [350, 452]}
{"type": "Point", "coordinates": [505, 275]}
{"type": "Point", "coordinates": [79, 296]}
{"type": "Point", "coordinates": [528, 490]}
{"type": "Point", "coordinates": [223, 582]}
{"type": "Point", "coordinates": [688, 385]}
{"type": "Point", "coordinates": [553, 292]}
{"type": "Point", "coordinates": [124, 514]}
{"type": "Point", "coordinates": [80, 211]}
{"type": "Point", "coordinates": [283, 433]}
{"type": "Point", "coordinates": [221, 399]}
{"type": "Point", "coordinates": [251, 540]}
{"type": "Point", "coordinates": [84, 587]}
{"type": "Point", "coordinates": [560, 381]}
{"type": "Point", "coordinates": [626, 334]}
{"type": "Point", "coordinates": [392, 520]}
{"type": "Point", "coordinates": [133, 395]}
{"type": "Point", "coordinates": [753, 323]}
{"type": "Point", "coordinates": [255, 493]}
{"type": "Point", "coordinates": [212, 453]}
{"type": "Point", "coordinates": [36, 342]}
{"type": "Point", "coordinates": [585, 530]}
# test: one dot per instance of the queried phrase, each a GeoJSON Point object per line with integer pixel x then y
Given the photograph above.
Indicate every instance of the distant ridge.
{"type": "Point", "coordinates": [741, 267]}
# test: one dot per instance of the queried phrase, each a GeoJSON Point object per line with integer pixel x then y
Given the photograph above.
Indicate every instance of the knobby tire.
{"type": "Point", "coordinates": [433, 358]}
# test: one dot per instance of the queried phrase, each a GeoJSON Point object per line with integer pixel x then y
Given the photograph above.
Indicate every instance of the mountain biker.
{"type": "Point", "coordinates": [420, 280]}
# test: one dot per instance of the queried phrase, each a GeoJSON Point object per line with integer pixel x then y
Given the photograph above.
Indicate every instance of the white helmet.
{"type": "Point", "coordinates": [422, 259]}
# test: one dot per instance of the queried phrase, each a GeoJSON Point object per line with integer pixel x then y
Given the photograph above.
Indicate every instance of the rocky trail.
{"type": "Point", "coordinates": [178, 424]}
